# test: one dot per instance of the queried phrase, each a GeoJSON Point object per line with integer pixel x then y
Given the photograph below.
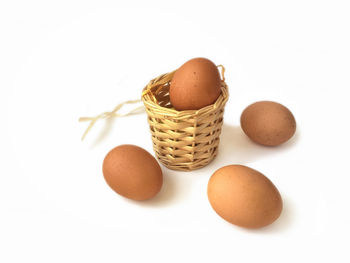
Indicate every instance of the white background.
{"type": "Point", "coordinates": [60, 60]}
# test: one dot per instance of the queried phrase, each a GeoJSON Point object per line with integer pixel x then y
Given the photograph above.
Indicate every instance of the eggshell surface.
{"type": "Point", "coordinates": [132, 172]}
{"type": "Point", "coordinates": [268, 123]}
{"type": "Point", "coordinates": [244, 196]}
{"type": "Point", "coordinates": [195, 84]}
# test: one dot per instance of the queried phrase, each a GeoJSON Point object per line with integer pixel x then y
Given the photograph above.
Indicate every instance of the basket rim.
{"type": "Point", "coordinates": [163, 79]}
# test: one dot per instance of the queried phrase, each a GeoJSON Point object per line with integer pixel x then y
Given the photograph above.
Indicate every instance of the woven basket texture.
{"type": "Point", "coordinates": [182, 140]}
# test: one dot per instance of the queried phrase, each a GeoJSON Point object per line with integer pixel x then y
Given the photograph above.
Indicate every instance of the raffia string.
{"type": "Point", "coordinates": [111, 114]}
{"type": "Point", "coordinates": [158, 83]}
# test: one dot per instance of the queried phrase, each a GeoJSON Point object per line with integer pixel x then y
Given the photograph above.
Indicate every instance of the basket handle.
{"type": "Point", "coordinates": [222, 71]}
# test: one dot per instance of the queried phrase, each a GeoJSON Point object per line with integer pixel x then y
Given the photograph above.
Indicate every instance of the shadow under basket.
{"type": "Point", "coordinates": [182, 140]}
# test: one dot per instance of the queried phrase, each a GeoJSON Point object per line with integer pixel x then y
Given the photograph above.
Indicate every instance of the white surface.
{"type": "Point", "coordinates": [63, 60]}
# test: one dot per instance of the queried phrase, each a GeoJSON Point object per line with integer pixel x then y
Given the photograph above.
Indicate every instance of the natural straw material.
{"type": "Point", "coordinates": [110, 114]}
{"type": "Point", "coordinates": [183, 140]}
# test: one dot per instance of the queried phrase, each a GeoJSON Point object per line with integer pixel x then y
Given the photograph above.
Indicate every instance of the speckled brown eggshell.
{"type": "Point", "coordinates": [244, 196]}
{"type": "Point", "coordinates": [268, 123]}
{"type": "Point", "coordinates": [132, 172]}
{"type": "Point", "coordinates": [195, 84]}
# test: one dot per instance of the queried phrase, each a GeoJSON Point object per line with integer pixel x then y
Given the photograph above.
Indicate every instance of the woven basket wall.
{"type": "Point", "coordinates": [182, 140]}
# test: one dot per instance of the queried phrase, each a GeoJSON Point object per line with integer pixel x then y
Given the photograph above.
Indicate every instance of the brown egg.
{"type": "Point", "coordinates": [195, 84]}
{"type": "Point", "coordinates": [268, 123]}
{"type": "Point", "coordinates": [244, 196]}
{"type": "Point", "coordinates": [132, 172]}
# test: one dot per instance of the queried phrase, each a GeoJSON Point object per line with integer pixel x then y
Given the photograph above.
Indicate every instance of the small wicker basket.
{"type": "Point", "coordinates": [183, 140]}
